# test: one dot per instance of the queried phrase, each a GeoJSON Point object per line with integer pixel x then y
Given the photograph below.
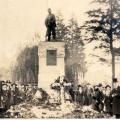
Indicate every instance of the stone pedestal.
{"type": "Point", "coordinates": [51, 63]}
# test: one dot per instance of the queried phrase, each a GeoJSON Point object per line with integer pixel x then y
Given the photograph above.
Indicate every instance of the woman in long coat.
{"type": "Point", "coordinates": [13, 95]}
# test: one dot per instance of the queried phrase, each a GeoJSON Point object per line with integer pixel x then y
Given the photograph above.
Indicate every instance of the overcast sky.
{"type": "Point", "coordinates": [20, 19]}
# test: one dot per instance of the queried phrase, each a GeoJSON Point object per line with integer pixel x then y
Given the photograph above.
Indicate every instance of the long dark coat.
{"type": "Point", "coordinates": [116, 105]}
{"type": "Point", "coordinates": [5, 99]}
{"type": "Point", "coordinates": [108, 104]}
{"type": "Point", "coordinates": [116, 101]}
{"type": "Point", "coordinates": [97, 100]}
{"type": "Point", "coordinates": [79, 98]}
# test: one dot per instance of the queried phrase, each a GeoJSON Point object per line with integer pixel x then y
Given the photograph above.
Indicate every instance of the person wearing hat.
{"type": "Point", "coordinates": [14, 94]}
{"type": "Point", "coordinates": [94, 98]}
{"type": "Point", "coordinates": [108, 100]}
{"type": "Point", "coordinates": [116, 99]}
{"type": "Point", "coordinates": [85, 96]}
{"type": "Point", "coordinates": [79, 95]}
{"type": "Point", "coordinates": [8, 93]}
{"type": "Point", "coordinates": [1, 84]}
{"type": "Point", "coordinates": [101, 97]}
{"type": "Point", "coordinates": [90, 94]}
{"type": "Point", "coordinates": [98, 98]}
{"type": "Point", "coordinates": [4, 96]}
{"type": "Point", "coordinates": [29, 93]}
{"type": "Point", "coordinates": [17, 94]}
{"type": "Point", "coordinates": [50, 23]}
{"type": "Point", "coordinates": [22, 93]}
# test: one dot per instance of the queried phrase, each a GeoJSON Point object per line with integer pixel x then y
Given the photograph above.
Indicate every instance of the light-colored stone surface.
{"type": "Point", "coordinates": [48, 74]}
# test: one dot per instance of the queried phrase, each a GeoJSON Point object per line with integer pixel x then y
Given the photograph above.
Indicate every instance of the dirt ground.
{"type": "Point", "coordinates": [28, 110]}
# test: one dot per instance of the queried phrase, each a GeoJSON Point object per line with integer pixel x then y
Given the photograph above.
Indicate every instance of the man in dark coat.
{"type": "Point", "coordinates": [98, 98]}
{"type": "Point", "coordinates": [116, 101]}
{"type": "Point", "coordinates": [79, 95]}
{"type": "Point", "coordinates": [8, 95]}
{"type": "Point", "coordinates": [50, 23]}
{"type": "Point", "coordinates": [1, 83]}
{"type": "Point", "coordinates": [72, 93]}
{"type": "Point", "coordinates": [95, 104]}
{"type": "Point", "coordinates": [85, 96]}
{"type": "Point", "coordinates": [89, 94]}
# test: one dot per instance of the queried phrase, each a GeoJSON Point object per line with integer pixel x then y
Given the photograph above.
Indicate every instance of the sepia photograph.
{"type": "Point", "coordinates": [60, 59]}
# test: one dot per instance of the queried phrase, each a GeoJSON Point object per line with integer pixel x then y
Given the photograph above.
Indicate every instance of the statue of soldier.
{"type": "Point", "coordinates": [50, 23]}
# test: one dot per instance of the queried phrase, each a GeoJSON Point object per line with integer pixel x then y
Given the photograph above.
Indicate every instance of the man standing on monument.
{"type": "Point", "coordinates": [50, 23]}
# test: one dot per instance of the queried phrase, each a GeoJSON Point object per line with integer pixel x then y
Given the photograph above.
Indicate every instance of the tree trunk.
{"type": "Point", "coordinates": [111, 44]}
{"type": "Point", "coordinates": [113, 63]}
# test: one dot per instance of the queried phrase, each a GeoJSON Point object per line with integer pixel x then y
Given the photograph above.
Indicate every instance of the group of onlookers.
{"type": "Point", "coordinates": [101, 98]}
{"type": "Point", "coordinates": [13, 94]}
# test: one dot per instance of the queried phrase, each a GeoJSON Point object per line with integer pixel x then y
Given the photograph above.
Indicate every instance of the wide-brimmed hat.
{"type": "Point", "coordinates": [107, 86]}
{"type": "Point", "coordinates": [115, 80]}
{"type": "Point", "coordinates": [99, 85]}
{"type": "Point", "coordinates": [80, 86]}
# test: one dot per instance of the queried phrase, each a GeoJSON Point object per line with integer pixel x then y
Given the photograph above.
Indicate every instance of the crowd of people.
{"type": "Point", "coordinates": [102, 98]}
{"type": "Point", "coordinates": [13, 94]}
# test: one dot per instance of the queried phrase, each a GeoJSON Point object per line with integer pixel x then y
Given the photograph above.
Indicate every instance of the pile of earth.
{"type": "Point", "coordinates": [22, 110]}
{"type": "Point", "coordinates": [28, 110]}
